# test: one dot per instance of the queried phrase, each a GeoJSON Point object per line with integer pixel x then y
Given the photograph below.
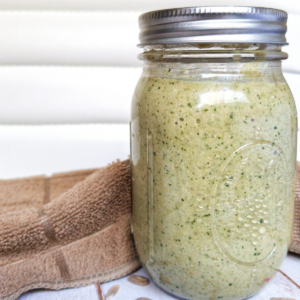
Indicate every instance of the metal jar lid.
{"type": "Point", "coordinates": [226, 24]}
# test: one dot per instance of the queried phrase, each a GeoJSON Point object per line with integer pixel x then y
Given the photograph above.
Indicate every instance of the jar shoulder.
{"type": "Point", "coordinates": [175, 94]}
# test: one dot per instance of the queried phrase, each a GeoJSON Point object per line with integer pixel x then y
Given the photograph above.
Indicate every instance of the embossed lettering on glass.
{"type": "Point", "coordinates": [213, 151]}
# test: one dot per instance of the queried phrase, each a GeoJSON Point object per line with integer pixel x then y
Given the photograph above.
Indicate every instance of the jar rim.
{"type": "Point", "coordinates": [212, 52]}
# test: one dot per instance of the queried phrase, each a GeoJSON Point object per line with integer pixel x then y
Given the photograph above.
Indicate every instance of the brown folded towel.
{"type": "Point", "coordinates": [72, 229]}
{"type": "Point", "coordinates": [295, 245]}
{"type": "Point", "coordinates": [68, 230]}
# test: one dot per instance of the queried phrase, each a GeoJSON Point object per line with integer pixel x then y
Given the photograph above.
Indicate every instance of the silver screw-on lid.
{"type": "Point", "coordinates": [226, 24]}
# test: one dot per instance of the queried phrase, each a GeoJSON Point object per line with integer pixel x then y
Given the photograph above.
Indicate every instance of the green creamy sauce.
{"type": "Point", "coordinates": [213, 166]}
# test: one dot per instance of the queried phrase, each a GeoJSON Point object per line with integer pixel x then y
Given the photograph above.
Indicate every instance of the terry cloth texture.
{"type": "Point", "coordinates": [72, 229]}
{"type": "Point", "coordinates": [295, 245]}
{"type": "Point", "coordinates": [68, 230]}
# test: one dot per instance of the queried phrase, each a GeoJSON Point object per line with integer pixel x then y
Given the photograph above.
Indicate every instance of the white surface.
{"type": "Point", "coordinates": [34, 150]}
{"type": "Point", "coordinates": [279, 287]}
{"type": "Point", "coordinates": [68, 38]}
{"type": "Point", "coordinates": [51, 95]}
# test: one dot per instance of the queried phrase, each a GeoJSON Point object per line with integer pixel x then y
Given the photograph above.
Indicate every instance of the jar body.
{"type": "Point", "coordinates": [213, 153]}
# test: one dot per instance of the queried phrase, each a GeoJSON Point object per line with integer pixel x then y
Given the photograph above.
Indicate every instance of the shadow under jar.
{"type": "Point", "coordinates": [213, 151]}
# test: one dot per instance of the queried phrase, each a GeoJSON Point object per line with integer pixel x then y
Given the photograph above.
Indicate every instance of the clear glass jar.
{"type": "Point", "coordinates": [213, 153]}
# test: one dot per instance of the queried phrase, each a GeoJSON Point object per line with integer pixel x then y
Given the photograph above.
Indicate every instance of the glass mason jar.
{"type": "Point", "coordinates": [213, 154]}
